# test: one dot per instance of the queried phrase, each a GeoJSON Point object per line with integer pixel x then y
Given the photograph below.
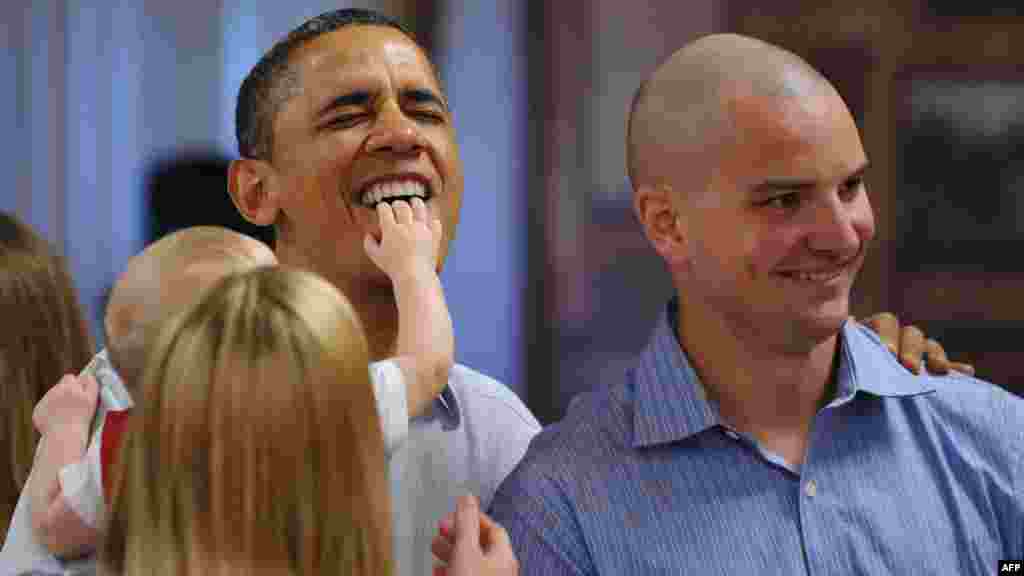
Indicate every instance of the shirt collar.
{"type": "Point", "coordinates": [866, 365]}
{"type": "Point", "coordinates": [446, 408]}
{"type": "Point", "coordinates": [671, 404]}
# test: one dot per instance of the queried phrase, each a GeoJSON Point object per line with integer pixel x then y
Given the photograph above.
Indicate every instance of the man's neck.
{"type": "Point", "coordinates": [374, 301]}
{"type": "Point", "coordinates": [379, 314]}
{"type": "Point", "coordinates": [762, 390]}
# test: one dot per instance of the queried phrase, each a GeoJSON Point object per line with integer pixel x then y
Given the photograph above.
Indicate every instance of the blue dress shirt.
{"type": "Point", "coordinates": [903, 474]}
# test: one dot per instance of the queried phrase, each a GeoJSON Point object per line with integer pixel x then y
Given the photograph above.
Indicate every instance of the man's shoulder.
{"type": "Point", "coordinates": [595, 433]}
{"type": "Point", "coordinates": [479, 394]}
{"type": "Point", "coordinates": [553, 495]}
{"type": "Point", "coordinates": [494, 429]}
{"type": "Point", "coordinates": [961, 403]}
{"type": "Point", "coordinates": [978, 405]}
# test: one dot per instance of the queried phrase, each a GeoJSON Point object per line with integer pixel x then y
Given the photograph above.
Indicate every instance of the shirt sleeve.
{"type": "Point", "coordinates": [389, 389]}
{"type": "Point", "coordinates": [545, 535]}
{"type": "Point", "coordinates": [81, 485]}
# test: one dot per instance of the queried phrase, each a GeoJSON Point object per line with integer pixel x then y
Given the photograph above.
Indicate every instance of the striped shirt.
{"type": "Point", "coordinates": [903, 474]}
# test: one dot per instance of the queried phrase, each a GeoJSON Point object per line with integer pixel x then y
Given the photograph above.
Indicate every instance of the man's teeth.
{"type": "Point", "coordinates": [816, 276]}
{"type": "Point", "coordinates": [385, 190]}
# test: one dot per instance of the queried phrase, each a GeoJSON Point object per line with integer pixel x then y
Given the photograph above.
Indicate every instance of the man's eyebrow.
{"type": "Point", "coordinates": [423, 96]}
{"type": "Point", "coordinates": [799, 185]}
{"type": "Point", "coordinates": [358, 98]}
{"type": "Point", "coordinates": [783, 185]}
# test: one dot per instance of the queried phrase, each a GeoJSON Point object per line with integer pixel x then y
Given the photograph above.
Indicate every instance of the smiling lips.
{"type": "Point", "coordinates": [392, 190]}
{"type": "Point", "coordinates": [819, 276]}
{"type": "Point", "coordinates": [823, 276]}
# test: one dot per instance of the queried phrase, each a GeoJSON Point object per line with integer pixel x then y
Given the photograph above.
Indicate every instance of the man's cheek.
{"type": "Point", "coordinates": [768, 251]}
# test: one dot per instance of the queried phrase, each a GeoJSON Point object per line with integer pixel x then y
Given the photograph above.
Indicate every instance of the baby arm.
{"type": "Point", "coordinates": [407, 253]}
{"type": "Point", "coordinates": [63, 418]}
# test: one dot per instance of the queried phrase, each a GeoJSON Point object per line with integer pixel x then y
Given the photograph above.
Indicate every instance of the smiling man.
{"type": "Point", "coordinates": [760, 431]}
{"type": "Point", "coordinates": [343, 113]}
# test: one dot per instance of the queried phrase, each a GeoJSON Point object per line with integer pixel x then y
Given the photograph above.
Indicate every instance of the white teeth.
{"type": "Point", "coordinates": [817, 276]}
{"type": "Point", "coordinates": [410, 189]}
{"type": "Point", "coordinates": [383, 190]}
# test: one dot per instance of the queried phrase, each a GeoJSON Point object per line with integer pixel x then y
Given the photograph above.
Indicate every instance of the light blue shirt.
{"type": "Point", "coordinates": [471, 439]}
{"type": "Point", "coordinates": [903, 474]}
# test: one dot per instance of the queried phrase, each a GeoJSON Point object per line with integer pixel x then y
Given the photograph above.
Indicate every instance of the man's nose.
{"type": "Point", "coordinates": [839, 228]}
{"type": "Point", "coordinates": [394, 132]}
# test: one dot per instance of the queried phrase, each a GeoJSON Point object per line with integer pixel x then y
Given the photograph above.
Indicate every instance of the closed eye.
{"type": "Point", "coordinates": [344, 121]}
{"type": "Point", "coordinates": [430, 116]}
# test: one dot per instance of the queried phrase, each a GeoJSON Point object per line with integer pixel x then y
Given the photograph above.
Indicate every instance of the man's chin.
{"type": "Point", "coordinates": [822, 326]}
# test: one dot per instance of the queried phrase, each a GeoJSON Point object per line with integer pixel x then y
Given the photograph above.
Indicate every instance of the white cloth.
{"type": "Point", "coordinates": [81, 485]}
{"type": "Point", "coordinates": [391, 395]}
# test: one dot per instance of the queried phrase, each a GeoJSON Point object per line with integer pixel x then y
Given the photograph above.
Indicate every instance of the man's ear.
{"type": "Point", "coordinates": [660, 219]}
{"type": "Point", "coordinates": [250, 183]}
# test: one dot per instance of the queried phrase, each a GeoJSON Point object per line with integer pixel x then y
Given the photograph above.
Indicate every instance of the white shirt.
{"type": "Point", "coordinates": [468, 442]}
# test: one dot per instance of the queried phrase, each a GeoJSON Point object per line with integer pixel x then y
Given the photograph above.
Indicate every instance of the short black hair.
{"type": "Point", "coordinates": [272, 80]}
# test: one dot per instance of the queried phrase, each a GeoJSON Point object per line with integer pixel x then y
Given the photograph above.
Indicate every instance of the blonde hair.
{"type": "Point", "coordinates": [256, 444]}
{"type": "Point", "coordinates": [45, 337]}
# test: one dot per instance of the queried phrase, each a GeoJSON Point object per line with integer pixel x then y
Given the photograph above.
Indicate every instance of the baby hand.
{"type": "Point", "coordinates": [70, 404]}
{"type": "Point", "coordinates": [410, 239]}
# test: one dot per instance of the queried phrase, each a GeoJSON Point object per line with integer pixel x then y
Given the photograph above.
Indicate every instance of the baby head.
{"type": "Point", "coordinates": [165, 278]}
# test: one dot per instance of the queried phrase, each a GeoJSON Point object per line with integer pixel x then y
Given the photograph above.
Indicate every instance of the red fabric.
{"type": "Point", "coordinates": [113, 436]}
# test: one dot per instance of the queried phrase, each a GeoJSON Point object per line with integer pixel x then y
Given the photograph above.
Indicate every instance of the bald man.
{"type": "Point", "coordinates": [761, 432]}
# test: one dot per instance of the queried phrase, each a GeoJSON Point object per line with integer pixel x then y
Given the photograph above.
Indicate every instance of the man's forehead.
{"type": "Point", "coordinates": [355, 51]}
{"type": "Point", "coordinates": [810, 138]}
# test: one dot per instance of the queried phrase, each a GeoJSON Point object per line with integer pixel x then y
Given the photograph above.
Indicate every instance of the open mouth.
{"type": "Point", "coordinates": [391, 191]}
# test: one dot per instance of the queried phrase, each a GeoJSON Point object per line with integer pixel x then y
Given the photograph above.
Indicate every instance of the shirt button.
{"type": "Point", "coordinates": [811, 488]}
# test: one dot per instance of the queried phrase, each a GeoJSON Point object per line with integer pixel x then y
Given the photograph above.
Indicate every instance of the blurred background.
{"type": "Point", "coordinates": [119, 123]}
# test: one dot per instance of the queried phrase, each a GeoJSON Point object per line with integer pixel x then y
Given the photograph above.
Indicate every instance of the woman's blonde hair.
{"type": "Point", "coordinates": [45, 336]}
{"type": "Point", "coordinates": [256, 445]}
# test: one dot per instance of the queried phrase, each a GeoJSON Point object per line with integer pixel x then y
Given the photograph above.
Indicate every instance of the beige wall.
{"type": "Point", "coordinates": [602, 284]}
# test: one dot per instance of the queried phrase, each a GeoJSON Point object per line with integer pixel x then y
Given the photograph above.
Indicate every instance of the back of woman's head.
{"type": "Point", "coordinates": [44, 337]}
{"type": "Point", "coordinates": [256, 446]}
